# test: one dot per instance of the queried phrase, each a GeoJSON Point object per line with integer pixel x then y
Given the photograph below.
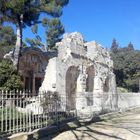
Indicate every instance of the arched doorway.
{"type": "Point", "coordinates": [90, 79]}
{"type": "Point", "coordinates": [71, 84]}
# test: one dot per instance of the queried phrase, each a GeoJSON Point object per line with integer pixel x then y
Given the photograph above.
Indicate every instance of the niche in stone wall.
{"type": "Point", "coordinates": [106, 85]}
{"type": "Point", "coordinates": [90, 79]}
{"type": "Point", "coordinates": [71, 84]}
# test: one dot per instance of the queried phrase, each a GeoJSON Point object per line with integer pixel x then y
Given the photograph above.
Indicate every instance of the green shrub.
{"type": "Point", "coordinates": [121, 90]}
{"type": "Point", "coordinates": [9, 78]}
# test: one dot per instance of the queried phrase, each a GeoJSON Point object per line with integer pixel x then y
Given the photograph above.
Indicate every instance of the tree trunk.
{"type": "Point", "coordinates": [18, 45]}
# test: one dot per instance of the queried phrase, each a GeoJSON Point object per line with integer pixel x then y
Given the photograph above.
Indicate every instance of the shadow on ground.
{"type": "Point", "coordinates": [114, 126]}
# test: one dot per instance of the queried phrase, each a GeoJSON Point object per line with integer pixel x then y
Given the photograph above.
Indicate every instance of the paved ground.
{"type": "Point", "coordinates": [119, 126]}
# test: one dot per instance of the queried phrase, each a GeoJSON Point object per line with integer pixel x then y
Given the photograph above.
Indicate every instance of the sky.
{"type": "Point", "coordinates": [103, 20]}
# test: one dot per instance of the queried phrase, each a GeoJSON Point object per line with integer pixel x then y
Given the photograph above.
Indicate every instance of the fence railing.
{"type": "Point", "coordinates": [23, 111]}
{"type": "Point", "coordinates": [20, 111]}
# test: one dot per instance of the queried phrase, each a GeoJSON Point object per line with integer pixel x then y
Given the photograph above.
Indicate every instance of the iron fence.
{"type": "Point", "coordinates": [23, 111]}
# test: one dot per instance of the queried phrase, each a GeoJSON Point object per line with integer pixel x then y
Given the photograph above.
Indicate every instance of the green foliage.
{"type": "Point", "coordinates": [14, 82]}
{"type": "Point", "coordinates": [121, 90]}
{"type": "Point", "coordinates": [114, 46]}
{"type": "Point", "coordinates": [130, 46]}
{"type": "Point", "coordinates": [7, 40]}
{"type": "Point", "coordinates": [54, 31]}
{"type": "Point", "coordinates": [10, 113]}
{"type": "Point", "coordinates": [36, 42]}
{"type": "Point", "coordinates": [127, 67]}
{"type": "Point", "coordinates": [9, 79]}
{"type": "Point", "coordinates": [11, 10]}
{"type": "Point", "coordinates": [24, 13]}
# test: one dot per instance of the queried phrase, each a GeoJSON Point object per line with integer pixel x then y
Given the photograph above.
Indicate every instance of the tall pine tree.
{"type": "Point", "coordinates": [53, 29]}
{"type": "Point", "coordinates": [24, 13]}
{"type": "Point", "coordinates": [7, 40]}
{"type": "Point", "coordinates": [114, 45]}
{"type": "Point", "coordinates": [130, 46]}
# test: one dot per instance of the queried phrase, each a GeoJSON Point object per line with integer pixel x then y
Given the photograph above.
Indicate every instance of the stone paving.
{"type": "Point", "coordinates": [118, 126]}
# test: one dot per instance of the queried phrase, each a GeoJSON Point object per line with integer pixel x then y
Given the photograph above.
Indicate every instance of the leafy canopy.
{"type": "Point", "coordinates": [7, 40]}
{"type": "Point", "coordinates": [24, 13]}
{"type": "Point", "coordinates": [53, 29]}
{"type": "Point", "coordinates": [127, 67]}
{"type": "Point", "coordinates": [9, 79]}
{"type": "Point", "coordinates": [11, 10]}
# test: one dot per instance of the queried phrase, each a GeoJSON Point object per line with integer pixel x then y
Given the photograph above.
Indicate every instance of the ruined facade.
{"type": "Point", "coordinates": [32, 65]}
{"type": "Point", "coordinates": [80, 72]}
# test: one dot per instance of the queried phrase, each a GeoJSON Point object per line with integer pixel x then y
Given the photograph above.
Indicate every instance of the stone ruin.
{"type": "Point", "coordinates": [80, 72]}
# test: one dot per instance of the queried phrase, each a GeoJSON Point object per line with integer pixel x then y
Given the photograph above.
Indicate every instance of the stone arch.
{"type": "Point", "coordinates": [106, 85]}
{"type": "Point", "coordinates": [71, 85]}
{"type": "Point", "coordinates": [90, 79]}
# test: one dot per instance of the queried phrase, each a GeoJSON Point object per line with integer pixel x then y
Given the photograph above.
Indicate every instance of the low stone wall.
{"type": "Point", "coordinates": [128, 100]}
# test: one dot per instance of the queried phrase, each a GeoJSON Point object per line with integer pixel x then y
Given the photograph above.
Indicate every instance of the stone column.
{"type": "Point", "coordinates": [81, 80]}
{"type": "Point", "coordinates": [98, 87]}
{"type": "Point", "coordinates": [97, 94]}
{"type": "Point", "coordinates": [113, 92]}
{"type": "Point", "coordinates": [83, 110]}
{"type": "Point", "coordinates": [81, 87]}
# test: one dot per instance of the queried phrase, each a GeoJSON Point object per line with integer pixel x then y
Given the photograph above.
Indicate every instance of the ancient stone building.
{"type": "Point", "coordinates": [81, 73]}
{"type": "Point", "coordinates": [32, 65]}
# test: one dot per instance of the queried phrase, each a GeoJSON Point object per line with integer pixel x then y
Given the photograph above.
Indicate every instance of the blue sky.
{"type": "Point", "coordinates": [103, 20]}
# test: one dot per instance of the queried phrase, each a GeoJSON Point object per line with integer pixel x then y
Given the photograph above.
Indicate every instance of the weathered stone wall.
{"type": "Point", "coordinates": [128, 100]}
{"type": "Point", "coordinates": [81, 70]}
{"type": "Point", "coordinates": [32, 64]}
{"type": "Point", "coordinates": [49, 82]}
